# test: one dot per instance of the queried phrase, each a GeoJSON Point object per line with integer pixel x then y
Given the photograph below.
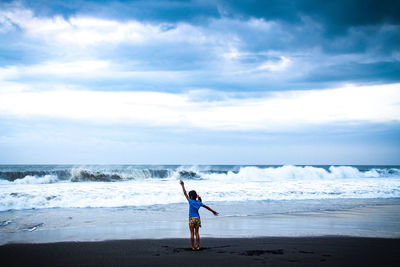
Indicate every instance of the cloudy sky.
{"type": "Point", "coordinates": [200, 82]}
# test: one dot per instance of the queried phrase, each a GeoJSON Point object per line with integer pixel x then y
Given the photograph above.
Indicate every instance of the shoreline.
{"type": "Point", "coordinates": [276, 251]}
{"type": "Point", "coordinates": [377, 219]}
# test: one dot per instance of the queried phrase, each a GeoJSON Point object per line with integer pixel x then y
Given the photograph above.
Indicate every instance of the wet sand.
{"type": "Point", "coordinates": [361, 218]}
{"type": "Point", "coordinates": [270, 251]}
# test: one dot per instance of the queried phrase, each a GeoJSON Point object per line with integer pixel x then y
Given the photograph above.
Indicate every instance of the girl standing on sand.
{"type": "Point", "coordinates": [194, 216]}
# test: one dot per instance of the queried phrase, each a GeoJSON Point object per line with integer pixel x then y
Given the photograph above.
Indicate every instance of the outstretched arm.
{"type": "Point", "coordinates": [210, 209]}
{"type": "Point", "coordinates": [184, 190]}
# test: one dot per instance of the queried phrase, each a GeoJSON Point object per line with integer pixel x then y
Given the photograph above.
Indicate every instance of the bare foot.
{"type": "Point", "coordinates": [198, 248]}
{"type": "Point", "coordinates": [193, 249]}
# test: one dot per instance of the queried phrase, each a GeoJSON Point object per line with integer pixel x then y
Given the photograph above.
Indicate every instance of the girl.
{"type": "Point", "coordinates": [194, 217]}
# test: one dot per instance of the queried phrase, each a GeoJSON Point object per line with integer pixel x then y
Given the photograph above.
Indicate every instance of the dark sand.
{"type": "Point", "coordinates": [271, 251]}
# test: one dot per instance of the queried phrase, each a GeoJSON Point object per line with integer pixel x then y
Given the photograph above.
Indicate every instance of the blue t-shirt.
{"type": "Point", "coordinates": [194, 208]}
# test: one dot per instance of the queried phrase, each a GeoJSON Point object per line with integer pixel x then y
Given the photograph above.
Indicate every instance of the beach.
{"type": "Point", "coordinates": [325, 238]}
{"type": "Point", "coordinates": [379, 218]}
{"type": "Point", "coordinates": [271, 251]}
{"type": "Point", "coordinates": [137, 215]}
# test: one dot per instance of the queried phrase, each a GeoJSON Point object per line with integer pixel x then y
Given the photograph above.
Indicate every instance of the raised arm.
{"type": "Point", "coordinates": [210, 209]}
{"type": "Point", "coordinates": [184, 190]}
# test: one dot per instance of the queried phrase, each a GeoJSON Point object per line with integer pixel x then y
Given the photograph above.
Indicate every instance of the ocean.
{"type": "Point", "coordinates": [46, 203]}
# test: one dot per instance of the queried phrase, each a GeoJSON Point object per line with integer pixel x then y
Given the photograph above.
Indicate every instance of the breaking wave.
{"type": "Point", "coordinates": [119, 186]}
{"type": "Point", "coordinates": [228, 173]}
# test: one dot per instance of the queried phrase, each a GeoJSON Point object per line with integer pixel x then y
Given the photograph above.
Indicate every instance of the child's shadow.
{"type": "Point", "coordinates": [177, 250]}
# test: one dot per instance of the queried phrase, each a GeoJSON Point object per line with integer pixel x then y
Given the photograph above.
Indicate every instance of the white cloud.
{"type": "Point", "coordinates": [87, 31]}
{"type": "Point", "coordinates": [279, 111]}
{"type": "Point", "coordinates": [79, 41]}
{"type": "Point", "coordinates": [95, 70]}
{"type": "Point", "coordinates": [280, 65]}
{"type": "Point", "coordinates": [46, 69]}
{"type": "Point", "coordinates": [78, 30]}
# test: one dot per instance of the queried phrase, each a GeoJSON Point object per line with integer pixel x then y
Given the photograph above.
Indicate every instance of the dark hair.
{"type": "Point", "coordinates": [193, 195]}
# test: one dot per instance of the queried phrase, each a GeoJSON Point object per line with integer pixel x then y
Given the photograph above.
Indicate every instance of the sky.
{"type": "Point", "coordinates": [200, 82]}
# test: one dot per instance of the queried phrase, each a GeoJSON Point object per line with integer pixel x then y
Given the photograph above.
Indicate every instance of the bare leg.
{"type": "Point", "coordinates": [191, 235]}
{"type": "Point", "coordinates": [196, 230]}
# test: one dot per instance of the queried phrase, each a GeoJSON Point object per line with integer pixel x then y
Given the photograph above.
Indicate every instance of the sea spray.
{"type": "Point", "coordinates": [121, 186]}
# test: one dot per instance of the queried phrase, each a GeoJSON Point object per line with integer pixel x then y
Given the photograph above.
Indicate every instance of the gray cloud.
{"type": "Point", "coordinates": [211, 51]}
{"type": "Point", "coordinates": [327, 43]}
{"type": "Point", "coordinates": [337, 16]}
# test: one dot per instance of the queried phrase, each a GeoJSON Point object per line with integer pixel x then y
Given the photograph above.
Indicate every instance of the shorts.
{"type": "Point", "coordinates": [195, 221]}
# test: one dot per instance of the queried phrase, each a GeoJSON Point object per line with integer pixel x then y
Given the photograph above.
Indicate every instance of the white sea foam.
{"type": "Point", "coordinates": [47, 179]}
{"type": "Point", "coordinates": [30, 179]}
{"type": "Point", "coordinates": [247, 183]}
{"type": "Point", "coordinates": [134, 193]}
{"type": "Point", "coordinates": [295, 172]}
{"type": "Point", "coordinates": [249, 173]}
